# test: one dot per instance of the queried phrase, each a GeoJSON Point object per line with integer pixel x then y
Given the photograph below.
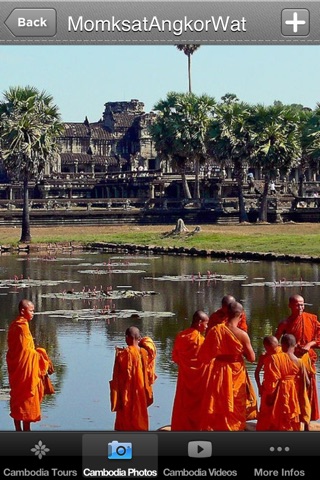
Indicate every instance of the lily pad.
{"type": "Point", "coordinates": [282, 284]}
{"type": "Point", "coordinates": [101, 314]}
{"type": "Point", "coordinates": [99, 295]}
{"type": "Point", "coordinates": [28, 282]}
{"type": "Point", "coordinates": [199, 278]}
{"type": "Point", "coordinates": [108, 272]}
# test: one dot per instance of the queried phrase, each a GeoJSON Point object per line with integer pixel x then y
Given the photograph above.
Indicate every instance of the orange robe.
{"type": "Point", "coordinates": [186, 412]}
{"type": "Point", "coordinates": [225, 401]}
{"type": "Point", "coordinates": [284, 395]}
{"type": "Point", "coordinates": [148, 344]}
{"type": "Point", "coordinates": [219, 316]}
{"type": "Point", "coordinates": [26, 365]}
{"type": "Point", "coordinates": [263, 417]}
{"type": "Point", "coordinates": [130, 389]}
{"type": "Point", "coordinates": [305, 329]}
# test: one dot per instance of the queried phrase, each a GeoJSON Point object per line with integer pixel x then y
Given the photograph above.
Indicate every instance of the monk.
{"type": "Point", "coordinates": [225, 400]}
{"type": "Point", "coordinates": [131, 389]}
{"type": "Point", "coordinates": [306, 329]}
{"type": "Point", "coordinates": [221, 315]}
{"type": "Point", "coordinates": [26, 367]}
{"type": "Point", "coordinates": [272, 347]}
{"type": "Point", "coordinates": [284, 393]}
{"type": "Point", "coordinates": [186, 413]}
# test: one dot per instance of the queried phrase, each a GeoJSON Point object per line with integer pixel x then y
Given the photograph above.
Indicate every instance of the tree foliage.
{"type": "Point", "coordinates": [29, 127]}
{"type": "Point", "coordinates": [229, 140]}
{"type": "Point", "coordinates": [180, 131]}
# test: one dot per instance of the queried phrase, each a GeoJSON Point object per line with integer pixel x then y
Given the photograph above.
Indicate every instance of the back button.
{"type": "Point", "coordinates": [32, 22]}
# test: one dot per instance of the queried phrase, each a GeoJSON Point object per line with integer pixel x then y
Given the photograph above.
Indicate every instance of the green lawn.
{"type": "Point", "coordinates": [294, 239]}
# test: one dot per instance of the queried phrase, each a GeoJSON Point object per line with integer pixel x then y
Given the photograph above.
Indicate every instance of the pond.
{"type": "Point", "coordinates": [85, 301]}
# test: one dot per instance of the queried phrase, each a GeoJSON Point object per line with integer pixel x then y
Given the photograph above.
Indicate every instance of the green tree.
{"type": "Point", "coordinates": [310, 140]}
{"type": "Point", "coordinates": [189, 51]}
{"type": "Point", "coordinates": [230, 140]}
{"type": "Point", "coordinates": [276, 143]}
{"type": "Point", "coordinates": [29, 127]}
{"type": "Point", "coordinates": [180, 133]}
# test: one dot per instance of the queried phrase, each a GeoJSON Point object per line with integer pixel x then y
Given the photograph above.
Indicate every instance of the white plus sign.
{"type": "Point", "coordinates": [295, 22]}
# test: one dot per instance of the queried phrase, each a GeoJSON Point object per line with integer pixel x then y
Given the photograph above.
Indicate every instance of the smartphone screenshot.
{"type": "Point", "coordinates": [119, 83]}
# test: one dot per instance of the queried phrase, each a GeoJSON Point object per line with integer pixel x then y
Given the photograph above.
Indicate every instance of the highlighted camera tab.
{"type": "Point", "coordinates": [119, 451]}
{"type": "Point", "coordinates": [120, 455]}
{"type": "Point", "coordinates": [32, 22]}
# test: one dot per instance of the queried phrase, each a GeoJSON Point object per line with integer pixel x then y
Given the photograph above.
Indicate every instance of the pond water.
{"type": "Point", "coordinates": [85, 301]}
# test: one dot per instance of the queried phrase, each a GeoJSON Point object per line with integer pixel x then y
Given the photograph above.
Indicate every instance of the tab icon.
{"type": "Point", "coordinates": [32, 22]}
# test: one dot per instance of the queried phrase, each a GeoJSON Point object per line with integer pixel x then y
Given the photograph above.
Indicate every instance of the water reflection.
{"type": "Point", "coordinates": [79, 319]}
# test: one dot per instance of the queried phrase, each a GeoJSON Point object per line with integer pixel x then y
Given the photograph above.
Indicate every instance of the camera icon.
{"type": "Point", "coordinates": [119, 450]}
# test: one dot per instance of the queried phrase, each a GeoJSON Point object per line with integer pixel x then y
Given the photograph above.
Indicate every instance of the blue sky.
{"type": "Point", "coordinates": [83, 78]}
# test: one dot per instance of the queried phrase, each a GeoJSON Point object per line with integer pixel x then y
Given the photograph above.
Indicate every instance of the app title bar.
{"type": "Point", "coordinates": [223, 22]}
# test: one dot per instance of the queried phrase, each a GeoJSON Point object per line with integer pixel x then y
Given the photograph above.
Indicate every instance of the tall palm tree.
{"type": "Point", "coordinates": [29, 127]}
{"type": "Point", "coordinates": [189, 51]}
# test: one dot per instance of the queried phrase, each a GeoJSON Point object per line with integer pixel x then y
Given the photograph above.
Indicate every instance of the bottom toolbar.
{"type": "Point", "coordinates": [158, 454]}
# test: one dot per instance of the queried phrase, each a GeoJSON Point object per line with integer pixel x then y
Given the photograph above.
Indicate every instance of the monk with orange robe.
{"type": "Point", "coordinates": [221, 315]}
{"type": "Point", "coordinates": [285, 403]}
{"type": "Point", "coordinates": [186, 413]}
{"type": "Point", "coordinates": [131, 390]}
{"type": "Point", "coordinates": [26, 367]}
{"type": "Point", "coordinates": [272, 347]}
{"type": "Point", "coordinates": [225, 400]}
{"type": "Point", "coordinates": [306, 329]}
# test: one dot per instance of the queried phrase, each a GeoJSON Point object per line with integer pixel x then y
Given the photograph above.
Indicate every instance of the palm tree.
{"type": "Point", "coordinates": [189, 51]}
{"type": "Point", "coordinates": [310, 140]}
{"type": "Point", "coordinates": [276, 142]}
{"type": "Point", "coordinates": [180, 132]}
{"type": "Point", "coordinates": [230, 140]}
{"type": "Point", "coordinates": [29, 127]}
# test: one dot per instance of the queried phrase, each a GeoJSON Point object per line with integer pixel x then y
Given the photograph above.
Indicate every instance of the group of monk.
{"type": "Point", "coordinates": [214, 391]}
{"type": "Point", "coordinates": [131, 388]}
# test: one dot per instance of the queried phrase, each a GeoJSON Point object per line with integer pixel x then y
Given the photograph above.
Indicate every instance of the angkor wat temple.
{"type": "Point", "coordinates": [112, 163]}
{"type": "Point", "coordinates": [119, 141]}
{"type": "Point", "coordinates": [94, 156]}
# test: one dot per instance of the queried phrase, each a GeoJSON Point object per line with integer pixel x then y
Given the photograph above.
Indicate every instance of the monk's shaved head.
{"type": "Point", "coordinates": [133, 332]}
{"type": "Point", "coordinates": [235, 309]}
{"type": "Point", "coordinates": [296, 298]}
{"type": "Point", "coordinates": [288, 340]}
{"type": "Point", "coordinates": [227, 299]}
{"type": "Point", "coordinates": [24, 304]}
{"type": "Point", "coordinates": [199, 316]}
{"type": "Point", "coordinates": [270, 341]}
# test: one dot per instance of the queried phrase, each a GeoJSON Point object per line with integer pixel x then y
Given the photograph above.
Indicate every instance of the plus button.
{"type": "Point", "coordinates": [295, 22]}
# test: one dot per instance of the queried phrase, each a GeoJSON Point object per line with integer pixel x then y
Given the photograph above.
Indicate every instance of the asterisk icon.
{"type": "Point", "coordinates": [40, 449]}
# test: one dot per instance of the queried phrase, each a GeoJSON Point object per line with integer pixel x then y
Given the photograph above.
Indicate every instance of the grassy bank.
{"type": "Point", "coordinates": [293, 239]}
